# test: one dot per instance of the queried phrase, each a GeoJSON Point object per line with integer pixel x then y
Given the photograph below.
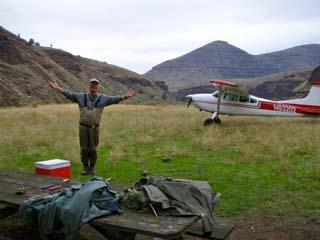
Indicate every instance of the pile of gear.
{"type": "Point", "coordinates": [74, 206]}
{"type": "Point", "coordinates": [175, 197]}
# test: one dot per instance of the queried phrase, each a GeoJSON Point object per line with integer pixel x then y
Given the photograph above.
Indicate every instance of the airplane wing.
{"type": "Point", "coordinates": [227, 86]}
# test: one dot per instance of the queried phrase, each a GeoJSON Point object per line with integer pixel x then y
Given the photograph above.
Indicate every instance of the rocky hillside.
{"type": "Point", "coordinates": [292, 84]}
{"type": "Point", "coordinates": [25, 69]}
{"type": "Point", "coordinates": [222, 60]}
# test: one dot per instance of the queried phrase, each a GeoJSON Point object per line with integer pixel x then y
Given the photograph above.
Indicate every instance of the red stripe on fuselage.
{"type": "Point", "coordinates": [298, 108]}
{"type": "Point", "coordinates": [316, 83]}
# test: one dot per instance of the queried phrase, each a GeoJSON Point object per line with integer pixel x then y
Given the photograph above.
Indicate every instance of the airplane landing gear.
{"type": "Point", "coordinates": [210, 121]}
{"type": "Point", "coordinates": [215, 116]}
{"type": "Point", "coordinates": [217, 121]}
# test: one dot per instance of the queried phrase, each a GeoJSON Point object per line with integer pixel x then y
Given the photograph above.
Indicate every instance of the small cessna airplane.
{"type": "Point", "coordinates": [230, 99]}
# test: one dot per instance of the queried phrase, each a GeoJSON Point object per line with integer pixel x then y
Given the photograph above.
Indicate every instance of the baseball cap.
{"type": "Point", "coordinates": [94, 80]}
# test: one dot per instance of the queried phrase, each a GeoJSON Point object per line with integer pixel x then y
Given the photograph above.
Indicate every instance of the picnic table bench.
{"type": "Point", "coordinates": [115, 227]}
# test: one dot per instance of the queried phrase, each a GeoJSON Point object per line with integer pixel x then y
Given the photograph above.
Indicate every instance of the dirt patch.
{"type": "Point", "coordinates": [277, 227]}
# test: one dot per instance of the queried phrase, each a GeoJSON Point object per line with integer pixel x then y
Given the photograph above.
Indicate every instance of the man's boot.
{"type": "Point", "coordinates": [93, 170]}
{"type": "Point", "coordinates": [93, 160]}
{"type": "Point", "coordinates": [85, 170]}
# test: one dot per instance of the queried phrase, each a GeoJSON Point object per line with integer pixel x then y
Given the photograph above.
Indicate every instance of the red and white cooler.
{"type": "Point", "coordinates": [54, 167]}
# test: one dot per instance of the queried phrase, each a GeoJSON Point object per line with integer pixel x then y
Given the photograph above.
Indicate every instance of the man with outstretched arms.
{"type": "Point", "coordinates": [91, 105]}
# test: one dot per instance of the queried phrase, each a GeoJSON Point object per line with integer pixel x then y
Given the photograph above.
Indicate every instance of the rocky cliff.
{"type": "Point", "coordinates": [292, 84]}
{"type": "Point", "coordinates": [25, 69]}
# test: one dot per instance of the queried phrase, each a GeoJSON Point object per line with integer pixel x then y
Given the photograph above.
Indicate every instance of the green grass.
{"type": "Point", "coordinates": [258, 164]}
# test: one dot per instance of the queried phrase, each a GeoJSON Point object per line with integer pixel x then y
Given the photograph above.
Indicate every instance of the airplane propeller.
{"type": "Point", "coordinates": [190, 101]}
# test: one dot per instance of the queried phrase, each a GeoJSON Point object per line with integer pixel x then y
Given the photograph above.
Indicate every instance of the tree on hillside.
{"type": "Point", "coordinates": [31, 41]}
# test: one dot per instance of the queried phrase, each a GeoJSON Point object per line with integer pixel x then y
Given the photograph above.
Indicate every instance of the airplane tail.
{"type": "Point", "coordinates": [313, 98]}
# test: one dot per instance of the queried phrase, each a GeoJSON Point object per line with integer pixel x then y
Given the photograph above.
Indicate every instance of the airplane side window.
{"type": "Point", "coordinates": [252, 100]}
{"type": "Point", "coordinates": [244, 99]}
{"type": "Point", "coordinates": [230, 97]}
{"type": "Point", "coordinates": [234, 98]}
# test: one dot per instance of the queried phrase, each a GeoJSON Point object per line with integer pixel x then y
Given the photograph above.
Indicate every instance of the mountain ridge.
{"type": "Point", "coordinates": [219, 59]}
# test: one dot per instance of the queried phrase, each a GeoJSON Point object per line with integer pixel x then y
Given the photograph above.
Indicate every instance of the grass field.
{"type": "Point", "coordinates": [265, 164]}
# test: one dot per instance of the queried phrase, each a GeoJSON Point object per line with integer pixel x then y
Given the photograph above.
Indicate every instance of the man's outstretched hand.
{"type": "Point", "coordinates": [54, 84]}
{"type": "Point", "coordinates": [131, 93]}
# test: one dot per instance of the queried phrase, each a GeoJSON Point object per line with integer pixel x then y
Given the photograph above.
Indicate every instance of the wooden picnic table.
{"type": "Point", "coordinates": [32, 183]}
{"type": "Point", "coordinates": [115, 227]}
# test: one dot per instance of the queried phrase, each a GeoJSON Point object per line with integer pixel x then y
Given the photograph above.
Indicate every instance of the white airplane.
{"type": "Point", "coordinates": [230, 99]}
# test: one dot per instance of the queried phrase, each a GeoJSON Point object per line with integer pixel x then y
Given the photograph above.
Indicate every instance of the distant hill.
{"type": "Point", "coordinates": [25, 69]}
{"type": "Point", "coordinates": [222, 60]}
{"type": "Point", "coordinates": [292, 84]}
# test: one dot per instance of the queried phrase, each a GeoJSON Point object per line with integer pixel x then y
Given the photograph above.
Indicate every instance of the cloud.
{"type": "Point", "coordinates": [140, 34]}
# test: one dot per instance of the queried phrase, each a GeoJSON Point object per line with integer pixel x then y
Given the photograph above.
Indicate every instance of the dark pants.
{"type": "Point", "coordinates": [89, 140]}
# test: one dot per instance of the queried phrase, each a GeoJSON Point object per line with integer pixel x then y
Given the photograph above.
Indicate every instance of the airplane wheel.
{"type": "Point", "coordinates": [208, 122]}
{"type": "Point", "coordinates": [217, 121]}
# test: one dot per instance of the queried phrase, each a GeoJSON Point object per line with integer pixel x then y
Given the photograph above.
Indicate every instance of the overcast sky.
{"type": "Point", "coordinates": [138, 34]}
